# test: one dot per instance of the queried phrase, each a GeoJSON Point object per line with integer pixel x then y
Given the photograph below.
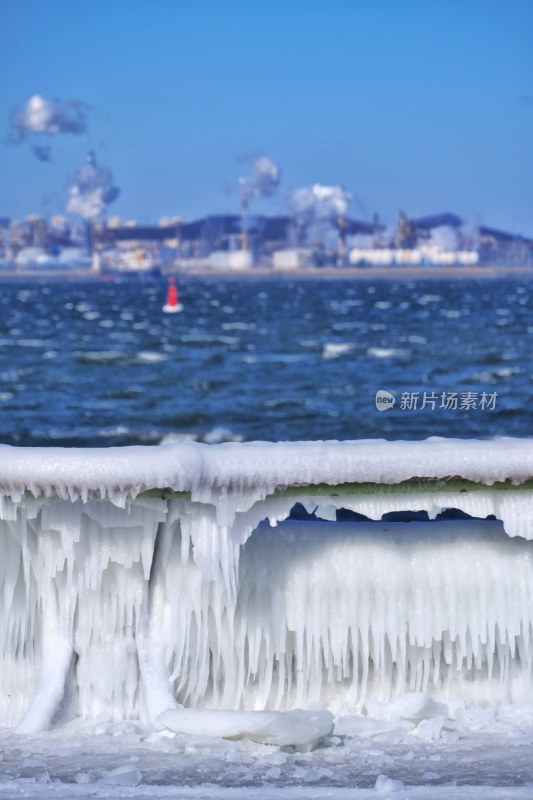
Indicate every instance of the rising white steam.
{"type": "Point", "coordinates": [263, 180]}
{"type": "Point", "coordinates": [470, 233]}
{"type": "Point", "coordinates": [444, 237]}
{"type": "Point", "coordinates": [317, 207]}
{"type": "Point", "coordinates": [42, 116]}
{"type": "Point", "coordinates": [92, 191]}
{"type": "Point", "coordinates": [321, 202]}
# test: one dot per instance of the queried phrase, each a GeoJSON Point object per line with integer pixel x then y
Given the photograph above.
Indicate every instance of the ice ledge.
{"type": "Point", "coordinates": [208, 472]}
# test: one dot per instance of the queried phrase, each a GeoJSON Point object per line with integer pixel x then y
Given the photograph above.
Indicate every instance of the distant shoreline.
{"type": "Point", "coordinates": [365, 273]}
{"type": "Point", "coordinates": [304, 273]}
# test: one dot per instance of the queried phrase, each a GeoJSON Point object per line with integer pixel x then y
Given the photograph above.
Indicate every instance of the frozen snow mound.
{"type": "Point", "coordinates": [168, 583]}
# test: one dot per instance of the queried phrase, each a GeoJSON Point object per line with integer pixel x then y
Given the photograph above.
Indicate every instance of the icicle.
{"type": "Point", "coordinates": [55, 661]}
{"type": "Point", "coordinates": [155, 676]}
{"type": "Point", "coordinates": [236, 613]}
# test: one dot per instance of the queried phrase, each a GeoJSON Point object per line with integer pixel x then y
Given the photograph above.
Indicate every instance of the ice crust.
{"type": "Point", "coordinates": [128, 606]}
{"type": "Point", "coordinates": [255, 468]}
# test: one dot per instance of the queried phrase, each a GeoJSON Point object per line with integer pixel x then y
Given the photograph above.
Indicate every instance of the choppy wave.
{"type": "Point", "coordinates": [99, 356]}
{"type": "Point", "coordinates": [216, 435]}
{"type": "Point", "coordinates": [386, 352]}
{"type": "Point", "coordinates": [266, 359]}
{"type": "Point", "coordinates": [151, 356]}
{"type": "Point", "coordinates": [336, 349]}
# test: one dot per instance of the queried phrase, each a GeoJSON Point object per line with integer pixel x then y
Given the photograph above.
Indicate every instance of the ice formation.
{"type": "Point", "coordinates": [160, 582]}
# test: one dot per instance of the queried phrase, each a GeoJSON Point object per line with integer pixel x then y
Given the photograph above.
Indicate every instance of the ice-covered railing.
{"type": "Point", "coordinates": [257, 468]}
{"type": "Point", "coordinates": [139, 580]}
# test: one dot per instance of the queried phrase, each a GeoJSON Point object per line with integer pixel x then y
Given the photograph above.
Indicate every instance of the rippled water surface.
{"type": "Point", "coordinates": [98, 363]}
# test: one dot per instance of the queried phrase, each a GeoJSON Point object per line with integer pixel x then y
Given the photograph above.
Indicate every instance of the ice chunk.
{"type": "Point", "coordinates": [384, 785]}
{"type": "Point", "coordinates": [35, 768]}
{"type": "Point", "coordinates": [297, 728]}
{"type": "Point", "coordinates": [359, 725]}
{"type": "Point", "coordinates": [127, 775]}
{"type": "Point", "coordinates": [86, 777]}
{"type": "Point", "coordinates": [430, 729]}
{"type": "Point", "coordinates": [412, 706]}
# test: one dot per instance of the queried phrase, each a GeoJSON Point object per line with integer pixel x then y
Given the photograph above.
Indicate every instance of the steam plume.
{"type": "Point", "coordinates": [39, 115]}
{"type": "Point", "coordinates": [92, 191]}
{"type": "Point", "coordinates": [444, 237]}
{"type": "Point", "coordinates": [318, 202]}
{"type": "Point", "coordinates": [470, 233]}
{"type": "Point", "coordinates": [262, 182]}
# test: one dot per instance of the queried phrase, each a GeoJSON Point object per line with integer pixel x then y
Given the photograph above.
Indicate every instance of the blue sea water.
{"type": "Point", "coordinates": [97, 363]}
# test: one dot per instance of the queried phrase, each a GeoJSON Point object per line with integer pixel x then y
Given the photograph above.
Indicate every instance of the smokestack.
{"type": "Point", "coordinates": [96, 261]}
{"type": "Point", "coordinates": [89, 238]}
{"type": "Point", "coordinates": [92, 246]}
{"type": "Point", "coordinates": [244, 223]}
{"type": "Point", "coordinates": [263, 181]}
{"type": "Point", "coordinates": [341, 243]}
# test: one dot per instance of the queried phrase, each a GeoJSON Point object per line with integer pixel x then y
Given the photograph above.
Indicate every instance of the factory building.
{"type": "Point", "coordinates": [239, 242]}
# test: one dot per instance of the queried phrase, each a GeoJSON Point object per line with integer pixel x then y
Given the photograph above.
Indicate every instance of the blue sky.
{"type": "Point", "coordinates": [420, 105]}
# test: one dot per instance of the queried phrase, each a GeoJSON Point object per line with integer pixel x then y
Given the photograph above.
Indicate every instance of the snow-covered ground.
{"type": "Point", "coordinates": [480, 754]}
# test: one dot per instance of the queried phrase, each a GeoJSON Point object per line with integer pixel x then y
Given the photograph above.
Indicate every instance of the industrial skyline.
{"type": "Point", "coordinates": [419, 106]}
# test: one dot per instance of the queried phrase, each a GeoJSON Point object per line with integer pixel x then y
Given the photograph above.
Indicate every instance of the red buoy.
{"type": "Point", "coordinates": [172, 305]}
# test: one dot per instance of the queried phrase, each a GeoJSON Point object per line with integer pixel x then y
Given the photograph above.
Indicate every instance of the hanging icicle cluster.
{"type": "Point", "coordinates": [126, 604]}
